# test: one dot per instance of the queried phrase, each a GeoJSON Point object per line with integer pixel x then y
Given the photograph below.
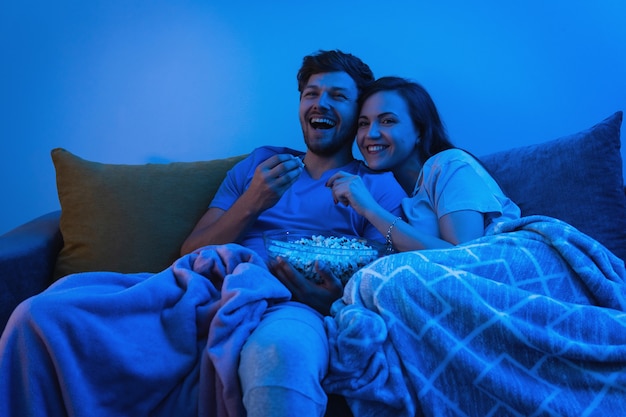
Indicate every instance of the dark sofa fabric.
{"type": "Point", "coordinates": [27, 257]}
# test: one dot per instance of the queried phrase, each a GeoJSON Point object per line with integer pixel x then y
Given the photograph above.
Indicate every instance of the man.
{"type": "Point", "coordinates": [102, 344]}
{"type": "Point", "coordinates": [286, 356]}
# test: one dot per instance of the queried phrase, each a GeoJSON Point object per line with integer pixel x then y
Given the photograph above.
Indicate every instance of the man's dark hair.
{"type": "Point", "coordinates": [335, 61]}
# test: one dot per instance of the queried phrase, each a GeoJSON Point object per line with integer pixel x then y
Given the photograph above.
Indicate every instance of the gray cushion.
{"type": "Point", "coordinates": [576, 178]}
{"type": "Point", "coordinates": [130, 218]}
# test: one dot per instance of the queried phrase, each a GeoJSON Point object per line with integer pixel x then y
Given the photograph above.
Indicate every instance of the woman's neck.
{"type": "Point", "coordinates": [407, 173]}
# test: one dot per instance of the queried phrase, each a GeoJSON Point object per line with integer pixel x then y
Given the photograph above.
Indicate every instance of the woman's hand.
{"type": "Point", "coordinates": [318, 295]}
{"type": "Point", "coordinates": [349, 190]}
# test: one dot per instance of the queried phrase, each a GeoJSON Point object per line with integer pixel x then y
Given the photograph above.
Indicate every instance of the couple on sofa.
{"type": "Point", "coordinates": [480, 312]}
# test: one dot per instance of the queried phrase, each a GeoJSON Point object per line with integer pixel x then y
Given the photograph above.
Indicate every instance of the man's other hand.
{"type": "Point", "coordinates": [319, 294]}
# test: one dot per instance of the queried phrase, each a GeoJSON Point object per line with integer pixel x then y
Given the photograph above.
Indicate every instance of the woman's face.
{"type": "Point", "coordinates": [386, 135]}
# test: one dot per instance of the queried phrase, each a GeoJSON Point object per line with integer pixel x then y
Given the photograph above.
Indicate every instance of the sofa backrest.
{"type": "Point", "coordinates": [576, 178]}
{"type": "Point", "coordinates": [134, 218]}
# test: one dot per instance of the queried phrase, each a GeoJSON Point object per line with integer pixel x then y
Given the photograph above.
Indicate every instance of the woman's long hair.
{"type": "Point", "coordinates": [422, 110]}
{"type": "Point", "coordinates": [423, 113]}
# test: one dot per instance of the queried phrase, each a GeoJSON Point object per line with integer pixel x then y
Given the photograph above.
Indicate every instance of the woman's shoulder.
{"type": "Point", "coordinates": [453, 154]}
{"type": "Point", "coordinates": [450, 157]}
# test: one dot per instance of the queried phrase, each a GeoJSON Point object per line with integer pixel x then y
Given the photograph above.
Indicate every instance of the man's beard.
{"type": "Point", "coordinates": [331, 148]}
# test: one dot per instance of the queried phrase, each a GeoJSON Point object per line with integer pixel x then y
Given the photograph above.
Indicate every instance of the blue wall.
{"type": "Point", "coordinates": [155, 81]}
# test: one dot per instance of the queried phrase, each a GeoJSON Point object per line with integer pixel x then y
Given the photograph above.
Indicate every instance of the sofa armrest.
{"type": "Point", "coordinates": [27, 257]}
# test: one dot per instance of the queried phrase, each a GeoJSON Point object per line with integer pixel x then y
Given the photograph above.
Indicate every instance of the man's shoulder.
{"type": "Point", "coordinates": [264, 152]}
{"type": "Point", "coordinates": [260, 154]}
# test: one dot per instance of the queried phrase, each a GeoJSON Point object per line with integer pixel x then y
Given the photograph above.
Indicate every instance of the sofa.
{"type": "Point", "coordinates": [133, 218]}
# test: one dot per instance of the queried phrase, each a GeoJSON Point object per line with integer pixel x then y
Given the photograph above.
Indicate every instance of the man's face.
{"type": "Point", "coordinates": [328, 112]}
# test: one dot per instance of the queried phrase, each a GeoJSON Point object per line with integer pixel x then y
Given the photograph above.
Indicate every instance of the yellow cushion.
{"type": "Point", "coordinates": [130, 218]}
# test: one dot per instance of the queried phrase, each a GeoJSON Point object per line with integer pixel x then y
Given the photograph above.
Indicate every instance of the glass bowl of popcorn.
{"type": "Point", "coordinates": [343, 255]}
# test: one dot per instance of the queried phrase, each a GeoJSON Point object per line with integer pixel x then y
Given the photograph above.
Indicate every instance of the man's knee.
{"type": "Point", "coordinates": [284, 352]}
{"type": "Point", "coordinates": [271, 349]}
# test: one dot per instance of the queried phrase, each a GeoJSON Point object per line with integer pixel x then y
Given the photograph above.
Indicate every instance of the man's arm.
{"type": "Point", "coordinates": [271, 179]}
{"type": "Point", "coordinates": [219, 226]}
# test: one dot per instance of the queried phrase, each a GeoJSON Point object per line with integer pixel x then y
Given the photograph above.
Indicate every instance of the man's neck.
{"type": "Point", "coordinates": [316, 165]}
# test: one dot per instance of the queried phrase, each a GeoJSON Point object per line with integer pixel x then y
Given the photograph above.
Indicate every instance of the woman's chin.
{"type": "Point", "coordinates": [377, 166]}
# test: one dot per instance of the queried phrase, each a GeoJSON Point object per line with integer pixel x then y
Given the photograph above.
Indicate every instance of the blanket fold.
{"type": "Point", "coordinates": [110, 344]}
{"type": "Point", "coordinates": [527, 321]}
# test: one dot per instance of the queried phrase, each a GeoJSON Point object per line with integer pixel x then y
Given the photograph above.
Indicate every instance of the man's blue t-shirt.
{"type": "Point", "coordinates": [308, 204]}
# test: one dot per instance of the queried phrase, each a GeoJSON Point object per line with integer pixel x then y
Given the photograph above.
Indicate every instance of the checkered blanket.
{"type": "Point", "coordinates": [528, 321]}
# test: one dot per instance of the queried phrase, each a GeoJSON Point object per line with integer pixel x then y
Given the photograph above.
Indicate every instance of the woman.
{"type": "Point", "coordinates": [453, 199]}
{"type": "Point", "coordinates": [481, 311]}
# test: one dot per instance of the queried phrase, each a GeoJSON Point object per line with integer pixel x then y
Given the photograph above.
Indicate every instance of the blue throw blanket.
{"type": "Point", "coordinates": [166, 344]}
{"type": "Point", "coordinates": [528, 321]}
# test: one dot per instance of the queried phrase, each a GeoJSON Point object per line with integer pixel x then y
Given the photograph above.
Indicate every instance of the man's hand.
{"type": "Point", "coordinates": [318, 295]}
{"type": "Point", "coordinates": [272, 178]}
{"type": "Point", "coordinates": [349, 190]}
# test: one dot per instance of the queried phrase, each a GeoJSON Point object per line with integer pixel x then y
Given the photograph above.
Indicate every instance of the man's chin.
{"type": "Point", "coordinates": [325, 148]}
{"type": "Point", "coordinates": [320, 134]}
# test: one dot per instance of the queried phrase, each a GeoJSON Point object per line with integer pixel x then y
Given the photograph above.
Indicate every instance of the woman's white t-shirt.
{"type": "Point", "coordinates": [453, 180]}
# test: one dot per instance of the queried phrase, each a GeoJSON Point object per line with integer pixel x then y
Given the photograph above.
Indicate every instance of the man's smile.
{"type": "Point", "coordinates": [322, 123]}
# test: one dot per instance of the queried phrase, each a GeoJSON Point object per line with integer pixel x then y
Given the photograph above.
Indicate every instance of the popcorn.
{"type": "Point", "coordinates": [343, 256]}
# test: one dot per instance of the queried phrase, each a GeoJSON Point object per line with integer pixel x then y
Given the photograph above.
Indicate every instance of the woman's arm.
{"type": "Point", "coordinates": [455, 228]}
